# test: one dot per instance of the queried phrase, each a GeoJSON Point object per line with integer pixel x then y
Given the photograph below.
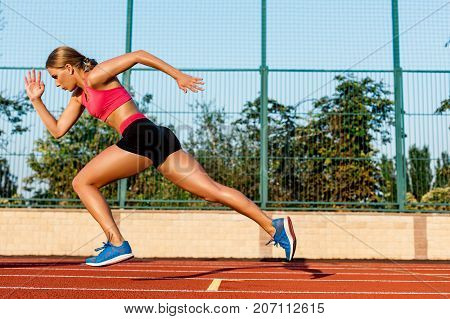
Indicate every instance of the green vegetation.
{"type": "Point", "coordinates": [12, 111]}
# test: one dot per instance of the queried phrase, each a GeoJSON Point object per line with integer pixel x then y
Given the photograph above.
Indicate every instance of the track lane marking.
{"type": "Point", "coordinates": [215, 284]}
{"type": "Point", "coordinates": [229, 267]}
{"type": "Point", "coordinates": [438, 275]}
{"type": "Point", "coordinates": [232, 291]}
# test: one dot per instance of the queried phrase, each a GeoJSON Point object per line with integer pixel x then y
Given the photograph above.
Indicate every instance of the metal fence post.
{"type": "Point", "coordinates": [122, 185]}
{"type": "Point", "coordinates": [400, 160]}
{"type": "Point", "coordinates": [264, 71]}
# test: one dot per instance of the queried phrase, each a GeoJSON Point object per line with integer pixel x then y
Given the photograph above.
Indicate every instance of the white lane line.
{"type": "Point", "coordinates": [230, 279]}
{"type": "Point", "coordinates": [284, 266]}
{"type": "Point", "coordinates": [215, 284]}
{"type": "Point", "coordinates": [231, 291]}
{"type": "Point", "coordinates": [229, 271]}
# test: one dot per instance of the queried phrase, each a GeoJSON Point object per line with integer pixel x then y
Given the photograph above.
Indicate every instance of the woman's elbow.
{"type": "Point", "coordinates": [56, 134]}
{"type": "Point", "coordinates": [139, 55]}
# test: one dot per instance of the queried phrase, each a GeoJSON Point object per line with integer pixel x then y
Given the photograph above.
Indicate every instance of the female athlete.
{"type": "Point", "coordinates": [142, 144]}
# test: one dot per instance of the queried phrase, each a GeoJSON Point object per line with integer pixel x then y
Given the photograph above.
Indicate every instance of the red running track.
{"type": "Point", "coordinates": [217, 279]}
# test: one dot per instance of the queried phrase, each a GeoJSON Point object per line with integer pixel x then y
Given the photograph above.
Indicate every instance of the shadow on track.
{"type": "Point", "coordinates": [298, 265]}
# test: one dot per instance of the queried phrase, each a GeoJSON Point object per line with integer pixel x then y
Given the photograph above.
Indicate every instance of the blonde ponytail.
{"type": "Point", "coordinates": [66, 55]}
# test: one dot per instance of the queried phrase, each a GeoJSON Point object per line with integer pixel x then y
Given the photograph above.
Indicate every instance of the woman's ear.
{"type": "Point", "coordinates": [69, 68]}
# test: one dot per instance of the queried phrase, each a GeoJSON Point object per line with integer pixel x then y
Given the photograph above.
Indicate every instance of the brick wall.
{"type": "Point", "coordinates": [215, 234]}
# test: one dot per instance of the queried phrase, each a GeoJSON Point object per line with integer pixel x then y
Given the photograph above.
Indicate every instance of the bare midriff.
{"type": "Point", "coordinates": [121, 114]}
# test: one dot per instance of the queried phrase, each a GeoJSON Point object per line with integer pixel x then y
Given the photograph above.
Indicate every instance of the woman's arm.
{"type": "Point", "coordinates": [57, 128]}
{"type": "Point", "coordinates": [46, 117]}
{"type": "Point", "coordinates": [109, 69]}
{"type": "Point", "coordinates": [148, 59]}
{"type": "Point", "coordinates": [105, 71]}
{"type": "Point", "coordinates": [69, 116]}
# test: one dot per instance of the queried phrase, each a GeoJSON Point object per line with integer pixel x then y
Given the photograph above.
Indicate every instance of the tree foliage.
{"type": "Point", "coordinates": [439, 195]}
{"type": "Point", "coordinates": [389, 180]}
{"type": "Point", "coordinates": [442, 171]}
{"type": "Point", "coordinates": [8, 182]}
{"type": "Point", "coordinates": [419, 168]}
{"type": "Point", "coordinates": [12, 112]}
{"type": "Point", "coordinates": [338, 143]}
{"type": "Point", "coordinates": [281, 125]}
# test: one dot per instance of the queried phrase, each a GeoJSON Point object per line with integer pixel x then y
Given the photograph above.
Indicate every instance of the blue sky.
{"type": "Point", "coordinates": [322, 34]}
{"type": "Point", "coordinates": [222, 34]}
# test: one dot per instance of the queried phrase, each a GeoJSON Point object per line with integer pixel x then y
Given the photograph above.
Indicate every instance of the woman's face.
{"type": "Point", "coordinates": [64, 77]}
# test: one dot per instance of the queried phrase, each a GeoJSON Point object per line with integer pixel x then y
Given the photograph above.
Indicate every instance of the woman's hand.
{"type": "Point", "coordinates": [186, 82]}
{"type": "Point", "coordinates": [34, 86]}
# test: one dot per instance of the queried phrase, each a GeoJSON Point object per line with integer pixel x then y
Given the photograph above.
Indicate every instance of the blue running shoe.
{"type": "Point", "coordinates": [284, 236]}
{"type": "Point", "coordinates": [110, 255]}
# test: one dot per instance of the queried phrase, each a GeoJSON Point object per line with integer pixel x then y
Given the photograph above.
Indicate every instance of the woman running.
{"type": "Point", "coordinates": [142, 144]}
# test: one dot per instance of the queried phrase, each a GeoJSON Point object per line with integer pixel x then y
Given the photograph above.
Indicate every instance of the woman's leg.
{"type": "Point", "coordinates": [110, 165]}
{"type": "Point", "coordinates": [183, 170]}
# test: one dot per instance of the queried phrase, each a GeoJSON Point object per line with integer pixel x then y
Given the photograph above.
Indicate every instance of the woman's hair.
{"type": "Point", "coordinates": [67, 55]}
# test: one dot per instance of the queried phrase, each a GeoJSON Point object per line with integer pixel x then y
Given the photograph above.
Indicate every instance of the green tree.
{"type": "Point", "coordinates": [436, 196]}
{"type": "Point", "coordinates": [212, 143]}
{"type": "Point", "coordinates": [445, 106]}
{"type": "Point", "coordinates": [389, 181]}
{"type": "Point", "coordinates": [442, 172]}
{"type": "Point", "coordinates": [338, 142]}
{"type": "Point", "coordinates": [8, 182]}
{"type": "Point", "coordinates": [281, 125]}
{"type": "Point", "coordinates": [12, 112]}
{"type": "Point", "coordinates": [419, 167]}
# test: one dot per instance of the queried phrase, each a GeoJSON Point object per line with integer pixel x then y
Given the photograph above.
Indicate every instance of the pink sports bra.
{"type": "Point", "coordinates": [103, 102]}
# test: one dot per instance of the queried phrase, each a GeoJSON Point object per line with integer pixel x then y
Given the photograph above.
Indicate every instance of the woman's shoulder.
{"type": "Point", "coordinates": [93, 82]}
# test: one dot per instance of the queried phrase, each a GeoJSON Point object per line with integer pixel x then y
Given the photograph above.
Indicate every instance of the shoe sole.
{"type": "Point", "coordinates": [291, 236]}
{"type": "Point", "coordinates": [111, 261]}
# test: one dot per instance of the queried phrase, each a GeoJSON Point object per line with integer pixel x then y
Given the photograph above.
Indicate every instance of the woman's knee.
{"type": "Point", "coordinates": [76, 183]}
{"type": "Point", "coordinates": [79, 183]}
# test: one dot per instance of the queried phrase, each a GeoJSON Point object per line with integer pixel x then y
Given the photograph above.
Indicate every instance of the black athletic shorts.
{"type": "Point", "coordinates": [145, 138]}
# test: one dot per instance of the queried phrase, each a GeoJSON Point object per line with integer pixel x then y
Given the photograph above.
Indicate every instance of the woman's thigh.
{"type": "Point", "coordinates": [185, 171]}
{"type": "Point", "coordinates": [111, 164]}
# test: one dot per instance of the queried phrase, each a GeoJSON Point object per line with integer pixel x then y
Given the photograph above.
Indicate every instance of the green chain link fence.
{"type": "Point", "coordinates": [310, 106]}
